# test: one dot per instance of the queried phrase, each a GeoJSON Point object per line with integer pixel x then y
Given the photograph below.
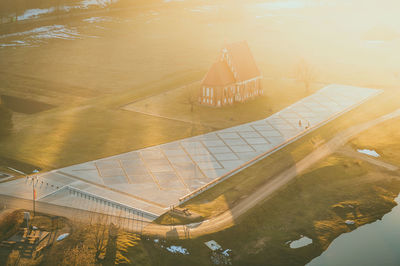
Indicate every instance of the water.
{"type": "Point", "coordinates": [302, 242]}
{"type": "Point", "coordinates": [373, 244]}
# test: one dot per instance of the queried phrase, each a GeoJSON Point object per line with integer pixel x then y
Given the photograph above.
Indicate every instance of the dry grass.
{"type": "Point", "coordinates": [248, 180]}
{"type": "Point", "coordinates": [385, 139]}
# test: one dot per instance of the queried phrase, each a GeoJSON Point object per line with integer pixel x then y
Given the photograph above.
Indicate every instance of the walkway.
{"type": "Point", "coordinates": [131, 222]}
{"type": "Point", "coordinates": [228, 218]}
{"type": "Point", "coordinates": [154, 178]}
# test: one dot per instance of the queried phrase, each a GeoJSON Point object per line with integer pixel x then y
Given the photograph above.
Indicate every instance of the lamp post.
{"type": "Point", "coordinates": [34, 192]}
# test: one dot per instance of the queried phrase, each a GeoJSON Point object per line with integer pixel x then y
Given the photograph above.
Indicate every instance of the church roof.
{"type": "Point", "coordinates": [219, 75]}
{"type": "Point", "coordinates": [242, 61]}
{"type": "Point", "coordinates": [243, 64]}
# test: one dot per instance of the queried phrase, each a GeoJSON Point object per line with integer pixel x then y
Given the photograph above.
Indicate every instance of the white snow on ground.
{"type": "Point", "coordinates": [98, 19]}
{"type": "Point", "coordinates": [213, 245]}
{"type": "Point", "coordinates": [63, 236]}
{"type": "Point", "coordinates": [369, 152]}
{"type": "Point", "coordinates": [302, 242]}
{"type": "Point", "coordinates": [226, 252]}
{"type": "Point", "coordinates": [14, 44]}
{"type": "Point", "coordinates": [40, 35]}
{"type": "Point", "coordinates": [53, 31]}
{"type": "Point", "coordinates": [37, 12]}
{"type": "Point", "coordinates": [33, 13]}
{"type": "Point", "coordinates": [102, 3]}
{"type": "Point", "coordinates": [178, 249]}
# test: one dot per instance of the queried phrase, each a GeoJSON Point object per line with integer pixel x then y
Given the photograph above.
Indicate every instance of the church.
{"type": "Point", "coordinates": [233, 78]}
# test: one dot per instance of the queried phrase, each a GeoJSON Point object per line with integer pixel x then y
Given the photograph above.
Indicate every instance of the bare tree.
{"type": "Point", "coordinates": [305, 73]}
{"type": "Point", "coordinates": [99, 230]}
{"type": "Point", "coordinates": [78, 255]}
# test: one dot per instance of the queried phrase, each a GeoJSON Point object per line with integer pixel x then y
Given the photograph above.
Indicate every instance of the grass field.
{"type": "Point", "coordinates": [175, 104]}
{"type": "Point", "coordinates": [99, 127]}
{"type": "Point", "coordinates": [145, 51]}
{"type": "Point", "coordinates": [315, 204]}
{"type": "Point", "coordinates": [384, 139]}
{"type": "Point", "coordinates": [139, 54]}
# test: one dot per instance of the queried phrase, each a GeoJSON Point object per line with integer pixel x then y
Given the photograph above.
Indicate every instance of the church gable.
{"type": "Point", "coordinates": [235, 77]}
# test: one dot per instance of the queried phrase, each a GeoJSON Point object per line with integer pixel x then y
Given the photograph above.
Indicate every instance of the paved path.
{"type": "Point", "coordinates": [134, 223]}
{"type": "Point", "coordinates": [154, 178]}
{"type": "Point", "coordinates": [227, 218]}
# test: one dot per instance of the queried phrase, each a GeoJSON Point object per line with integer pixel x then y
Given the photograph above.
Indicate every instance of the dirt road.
{"type": "Point", "coordinates": [351, 153]}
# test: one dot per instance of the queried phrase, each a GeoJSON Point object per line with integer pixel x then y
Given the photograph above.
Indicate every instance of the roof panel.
{"type": "Point", "coordinates": [219, 75]}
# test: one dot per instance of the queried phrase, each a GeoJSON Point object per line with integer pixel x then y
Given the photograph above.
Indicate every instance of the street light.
{"type": "Point", "coordinates": [34, 191]}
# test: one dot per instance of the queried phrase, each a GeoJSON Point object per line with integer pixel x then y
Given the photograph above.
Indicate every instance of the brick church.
{"type": "Point", "coordinates": [234, 77]}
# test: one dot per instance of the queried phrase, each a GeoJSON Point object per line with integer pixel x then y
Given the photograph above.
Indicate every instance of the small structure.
{"type": "Point", "coordinates": [30, 242]}
{"type": "Point", "coordinates": [234, 77]}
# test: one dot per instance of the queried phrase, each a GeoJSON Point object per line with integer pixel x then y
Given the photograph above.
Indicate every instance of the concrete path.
{"type": "Point", "coordinates": [153, 179]}
{"type": "Point", "coordinates": [134, 223]}
{"type": "Point", "coordinates": [228, 218]}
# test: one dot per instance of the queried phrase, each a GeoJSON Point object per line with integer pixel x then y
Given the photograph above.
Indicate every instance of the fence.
{"type": "Point", "coordinates": [111, 203]}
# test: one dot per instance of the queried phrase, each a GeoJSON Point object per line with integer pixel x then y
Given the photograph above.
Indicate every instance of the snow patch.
{"type": "Point", "coordinates": [178, 249]}
{"type": "Point", "coordinates": [102, 3]}
{"type": "Point", "coordinates": [212, 245]}
{"type": "Point", "coordinates": [350, 222]}
{"type": "Point", "coordinates": [40, 35]}
{"type": "Point", "coordinates": [302, 242]}
{"type": "Point", "coordinates": [97, 19]}
{"type": "Point", "coordinates": [226, 252]}
{"type": "Point", "coordinates": [63, 236]}
{"type": "Point", "coordinates": [34, 13]}
{"type": "Point", "coordinates": [369, 152]}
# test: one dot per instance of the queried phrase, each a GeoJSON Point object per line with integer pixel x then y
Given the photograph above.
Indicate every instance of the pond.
{"type": "Point", "coordinates": [373, 244]}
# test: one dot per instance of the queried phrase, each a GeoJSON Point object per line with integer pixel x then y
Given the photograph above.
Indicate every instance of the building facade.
{"type": "Point", "coordinates": [234, 77]}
